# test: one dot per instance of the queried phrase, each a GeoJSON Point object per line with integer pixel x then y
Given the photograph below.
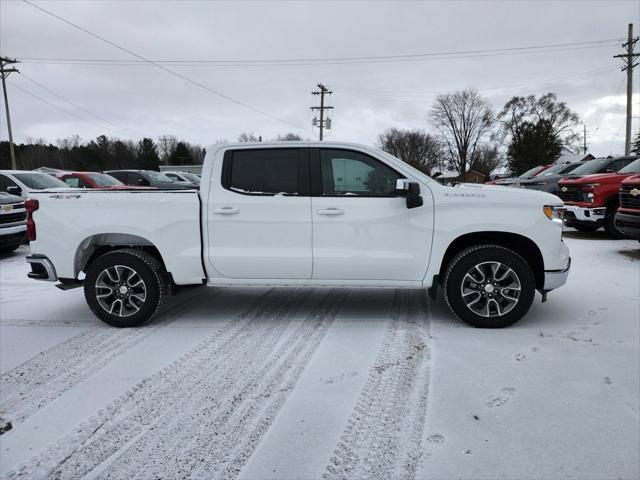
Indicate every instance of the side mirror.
{"type": "Point", "coordinates": [143, 182]}
{"type": "Point", "coordinates": [14, 190]}
{"type": "Point", "coordinates": [410, 190]}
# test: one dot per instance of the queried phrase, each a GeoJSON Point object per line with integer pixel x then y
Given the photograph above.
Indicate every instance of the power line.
{"type": "Point", "coordinates": [168, 70]}
{"type": "Point", "coordinates": [414, 93]}
{"type": "Point", "coordinates": [424, 97]}
{"type": "Point", "coordinates": [551, 48]}
{"type": "Point", "coordinates": [58, 107]}
{"type": "Point", "coordinates": [79, 107]}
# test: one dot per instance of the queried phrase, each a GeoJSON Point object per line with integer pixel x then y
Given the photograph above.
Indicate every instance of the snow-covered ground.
{"type": "Point", "coordinates": [312, 383]}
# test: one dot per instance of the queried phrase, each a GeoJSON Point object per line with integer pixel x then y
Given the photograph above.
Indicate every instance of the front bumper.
{"type": "Point", "coordinates": [576, 214]}
{"type": "Point", "coordinates": [556, 278]}
{"type": "Point", "coordinates": [10, 236]}
{"type": "Point", "coordinates": [41, 268]}
{"type": "Point", "coordinates": [628, 224]}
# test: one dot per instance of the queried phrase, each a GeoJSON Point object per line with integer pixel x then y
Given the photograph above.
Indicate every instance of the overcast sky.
{"type": "Point", "coordinates": [132, 100]}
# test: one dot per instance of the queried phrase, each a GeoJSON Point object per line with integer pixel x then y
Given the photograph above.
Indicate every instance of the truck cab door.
{"type": "Point", "coordinates": [259, 214]}
{"type": "Point", "coordinates": [363, 230]}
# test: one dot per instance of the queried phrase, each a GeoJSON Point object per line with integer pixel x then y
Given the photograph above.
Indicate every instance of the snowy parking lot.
{"type": "Point", "coordinates": [326, 383]}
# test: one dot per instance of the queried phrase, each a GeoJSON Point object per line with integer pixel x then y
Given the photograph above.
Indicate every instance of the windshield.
{"type": "Point", "coordinates": [191, 177]}
{"type": "Point", "coordinates": [592, 166]}
{"type": "Point", "coordinates": [529, 173]}
{"type": "Point", "coordinates": [39, 181]}
{"type": "Point", "coordinates": [633, 167]}
{"type": "Point", "coordinates": [158, 177]}
{"type": "Point", "coordinates": [564, 168]}
{"type": "Point", "coordinates": [103, 180]}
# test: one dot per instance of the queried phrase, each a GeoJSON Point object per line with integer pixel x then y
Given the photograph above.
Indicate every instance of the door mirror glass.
{"type": "Point", "coordinates": [14, 190]}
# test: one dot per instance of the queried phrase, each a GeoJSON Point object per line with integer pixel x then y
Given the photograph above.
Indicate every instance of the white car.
{"type": "Point", "coordinates": [303, 214]}
{"type": "Point", "coordinates": [23, 182]}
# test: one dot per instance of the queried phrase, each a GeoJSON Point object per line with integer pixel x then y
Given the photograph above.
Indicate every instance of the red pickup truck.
{"type": "Point", "coordinates": [628, 215]}
{"type": "Point", "coordinates": [591, 200]}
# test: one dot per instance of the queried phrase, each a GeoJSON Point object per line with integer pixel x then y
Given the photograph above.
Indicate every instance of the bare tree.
{"type": "Point", "coordinates": [415, 147]}
{"type": "Point", "coordinates": [486, 159]}
{"type": "Point", "coordinates": [288, 137]}
{"type": "Point", "coordinates": [167, 145]}
{"type": "Point", "coordinates": [247, 137]}
{"type": "Point", "coordinates": [465, 120]}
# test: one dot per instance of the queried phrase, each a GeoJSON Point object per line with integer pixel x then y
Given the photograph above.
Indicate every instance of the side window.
{"type": "Point", "coordinates": [133, 178]}
{"type": "Point", "coordinates": [173, 176]}
{"type": "Point", "coordinates": [119, 176]}
{"type": "Point", "coordinates": [262, 172]}
{"type": "Point", "coordinates": [72, 181]}
{"type": "Point", "coordinates": [352, 173]}
{"type": "Point", "coordinates": [5, 183]}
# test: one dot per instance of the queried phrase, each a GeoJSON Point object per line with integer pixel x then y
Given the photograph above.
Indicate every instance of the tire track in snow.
{"type": "Point", "coordinates": [31, 386]}
{"type": "Point", "coordinates": [230, 382]}
{"type": "Point", "coordinates": [383, 436]}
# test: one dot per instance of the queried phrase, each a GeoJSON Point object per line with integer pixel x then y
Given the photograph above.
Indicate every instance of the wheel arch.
{"type": "Point", "coordinates": [96, 245]}
{"type": "Point", "coordinates": [523, 246]}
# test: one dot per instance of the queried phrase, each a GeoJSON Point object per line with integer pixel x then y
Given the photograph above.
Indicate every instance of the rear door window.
{"type": "Point", "coordinates": [262, 172]}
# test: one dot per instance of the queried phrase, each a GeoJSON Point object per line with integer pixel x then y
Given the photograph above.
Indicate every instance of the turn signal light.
{"type": "Point", "coordinates": [31, 206]}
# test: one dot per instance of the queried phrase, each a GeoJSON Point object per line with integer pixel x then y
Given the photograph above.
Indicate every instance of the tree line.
{"type": "Point", "coordinates": [105, 153]}
{"type": "Point", "coordinates": [467, 134]}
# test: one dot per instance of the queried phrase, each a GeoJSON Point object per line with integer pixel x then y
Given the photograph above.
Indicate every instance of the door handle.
{"type": "Point", "coordinates": [227, 211]}
{"type": "Point", "coordinates": [331, 211]}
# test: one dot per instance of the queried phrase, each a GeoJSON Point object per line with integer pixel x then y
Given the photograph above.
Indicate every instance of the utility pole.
{"type": "Point", "coordinates": [630, 64]}
{"type": "Point", "coordinates": [584, 140]}
{"type": "Point", "coordinates": [4, 73]}
{"type": "Point", "coordinates": [322, 123]}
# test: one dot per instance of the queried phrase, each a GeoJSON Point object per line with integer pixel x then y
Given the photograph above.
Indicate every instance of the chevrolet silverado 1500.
{"type": "Point", "coordinates": [302, 214]}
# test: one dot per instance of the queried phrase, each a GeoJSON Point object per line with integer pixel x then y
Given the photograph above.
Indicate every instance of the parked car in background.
{"type": "Point", "coordinates": [547, 180]}
{"type": "Point", "coordinates": [628, 215]}
{"type": "Point", "coordinates": [22, 182]}
{"type": "Point", "coordinates": [13, 222]}
{"type": "Point", "coordinates": [93, 180]}
{"type": "Point", "coordinates": [592, 200]}
{"type": "Point", "coordinates": [187, 179]}
{"type": "Point", "coordinates": [145, 178]}
{"type": "Point", "coordinates": [515, 181]}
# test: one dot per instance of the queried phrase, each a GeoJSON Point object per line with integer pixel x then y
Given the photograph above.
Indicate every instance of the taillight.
{"type": "Point", "coordinates": [31, 206]}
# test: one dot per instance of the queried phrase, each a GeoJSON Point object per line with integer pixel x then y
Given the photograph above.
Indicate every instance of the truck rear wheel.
{"type": "Point", "coordinates": [489, 286]}
{"type": "Point", "coordinates": [125, 288]}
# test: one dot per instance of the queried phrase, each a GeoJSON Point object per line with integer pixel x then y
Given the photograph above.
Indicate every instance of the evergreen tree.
{"type": "Point", "coordinates": [181, 155]}
{"type": "Point", "coordinates": [147, 155]}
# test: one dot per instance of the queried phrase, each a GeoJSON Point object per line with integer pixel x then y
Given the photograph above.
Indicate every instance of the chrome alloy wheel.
{"type": "Point", "coordinates": [490, 289]}
{"type": "Point", "coordinates": [120, 290]}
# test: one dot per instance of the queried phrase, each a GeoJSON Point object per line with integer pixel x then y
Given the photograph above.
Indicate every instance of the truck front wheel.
{"type": "Point", "coordinates": [489, 286]}
{"type": "Point", "coordinates": [610, 224]}
{"type": "Point", "coordinates": [125, 288]}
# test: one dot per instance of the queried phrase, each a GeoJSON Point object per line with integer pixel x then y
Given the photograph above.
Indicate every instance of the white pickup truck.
{"type": "Point", "coordinates": [302, 214]}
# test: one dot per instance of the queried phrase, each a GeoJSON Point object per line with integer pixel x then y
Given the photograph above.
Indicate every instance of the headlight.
{"type": "Point", "coordinates": [592, 185]}
{"type": "Point", "coordinates": [554, 212]}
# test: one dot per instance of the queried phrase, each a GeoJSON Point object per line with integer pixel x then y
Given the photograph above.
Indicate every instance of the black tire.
{"type": "Point", "coordinates": [144, 265]}
{"type": "Point", "coordinates": [610, 224]}
{"type": "Point", "coordinates": [8, 249]}
{"type": "Point", "coordinates": [586, 228]}
{"type": "Point", "coordinates": [485, 256]}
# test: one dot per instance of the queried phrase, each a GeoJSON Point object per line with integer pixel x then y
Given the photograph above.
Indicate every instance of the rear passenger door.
{"type": "Point", "coordinates": [259, 214]}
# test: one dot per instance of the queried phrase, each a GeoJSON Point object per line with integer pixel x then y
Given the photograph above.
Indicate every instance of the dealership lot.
{"type": "Point", "coordinates": [315, 383]}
